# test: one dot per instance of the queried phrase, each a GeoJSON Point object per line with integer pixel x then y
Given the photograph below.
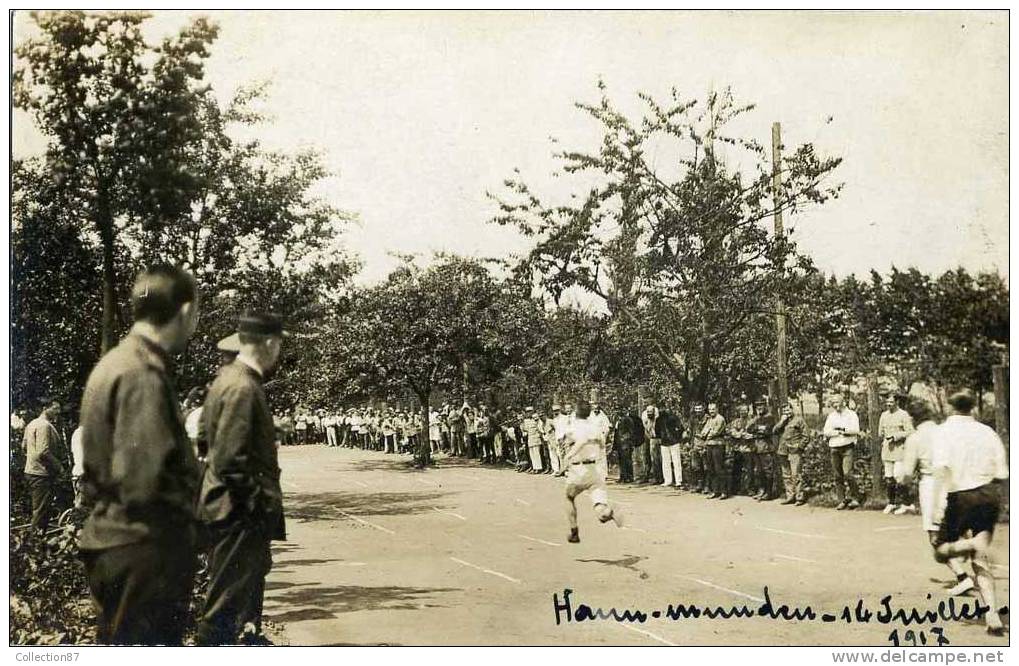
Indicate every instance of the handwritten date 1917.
{"type": "Point", "coordinates": [918, 638]}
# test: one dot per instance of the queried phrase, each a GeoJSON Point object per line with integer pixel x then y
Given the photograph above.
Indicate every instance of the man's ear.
{"type": "Point", "coordinates": [186, 310]}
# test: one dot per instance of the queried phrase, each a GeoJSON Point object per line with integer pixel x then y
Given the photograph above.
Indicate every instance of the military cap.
{"type": "Point", "coordinates": [260, 323]}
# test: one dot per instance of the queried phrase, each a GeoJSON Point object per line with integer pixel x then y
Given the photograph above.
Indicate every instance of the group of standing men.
{"type": "Point", "coordinates": [154, 507]}
{"type": "Point", "coordinates": [750, 454]}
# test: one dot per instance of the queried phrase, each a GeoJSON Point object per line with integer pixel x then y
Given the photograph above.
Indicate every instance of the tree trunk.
{"type": "Point", "coordinates": [106, 235]}
{"type": "Point", "coordinates": [423, 456]}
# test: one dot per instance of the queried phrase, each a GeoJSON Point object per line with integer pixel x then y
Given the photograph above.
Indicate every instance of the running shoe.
{"type": "Point", "coordinates": [962, 587]}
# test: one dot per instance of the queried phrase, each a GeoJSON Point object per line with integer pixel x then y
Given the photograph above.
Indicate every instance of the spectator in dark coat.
{"type": "Point", "coordinates": [241, 500]}
{"type": "Point", "coordinates": [140, 473]}
{"type": "Point", "coordinates": [628, 437]}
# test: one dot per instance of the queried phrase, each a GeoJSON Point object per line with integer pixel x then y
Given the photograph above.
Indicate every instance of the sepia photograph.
{"type": "Point", "coordinates": [505, 328]}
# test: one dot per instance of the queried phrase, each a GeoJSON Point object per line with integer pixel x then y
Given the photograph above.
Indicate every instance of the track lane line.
{"type": "Point", "coordinates": [365, 522]}
{"type": "Point", "coordinates": [547, 543]}
{"type": "Point", "coordinates": [723, 589]}
{"type": "Point", "coordinates": [483, 570]}
{"type": "Point", "coordinates": [787, 532]}
{"type": "Point", "coordinates": [449, 513]}
{"type": "Point", "coordinates": [648, 634]}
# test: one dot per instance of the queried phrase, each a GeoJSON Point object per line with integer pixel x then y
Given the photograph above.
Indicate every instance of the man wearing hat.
{"type": "Point", "coordinates": [696, 481]}
{"type": "Point", "coordinates": [140, 474]}
{"type": "Point", "coordinates": [793, 437]}
{"type": "Point", "coordinates": [560, 425]}
{"type": "Point", "coordinates": [764, 474]}
{"type": "Point", "coordinates": [628, 436]}
{"type": "Point", "coordinates": [713, 436]}
{"type": "Point", "coordinates": [741, 450]}
{"type": "Point", "coordinates": [534, 434]}
{"type": "Point", "coordinates": [241, 501]}
{"type": "Point", "coordinates": [654, 473]}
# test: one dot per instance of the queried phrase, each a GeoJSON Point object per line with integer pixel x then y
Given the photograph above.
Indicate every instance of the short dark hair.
{"type": "Point", "coordinates": [160, 291]}
{"type": "Point", "coordinates": [583, 409]}
{"type": "Point", "coordinates": [920, 410]}
{"type": "Point", "coordinates": [962, 402]}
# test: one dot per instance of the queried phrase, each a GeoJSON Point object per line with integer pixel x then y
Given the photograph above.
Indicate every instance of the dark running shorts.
{"type": "Point", "coordinates": [975, 509]}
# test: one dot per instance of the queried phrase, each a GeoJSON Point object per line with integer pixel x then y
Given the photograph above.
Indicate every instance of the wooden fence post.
{"type": "Point", "coordinates": [1000, 374]}
{"type": "Point", "coordinates": [874, 437]}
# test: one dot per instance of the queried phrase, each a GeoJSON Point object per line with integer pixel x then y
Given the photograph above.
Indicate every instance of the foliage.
{"type": "Point", "coordinates": [425, 329]}
{"type": "Point", "coordinates": [49, 592]}
{"type": "Point", "coordinates": [118, 115]}
{"type": "Point", "coordinates": [142, 165]}
{"type": "Point", "coordinates": [55, 299]}
{"type": "Point", "coordinates": [680, 252]}
{"type": "Point", "coordinates": [946, 331]}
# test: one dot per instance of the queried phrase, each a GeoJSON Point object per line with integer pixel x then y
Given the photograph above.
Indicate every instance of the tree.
{"type": "Point", "coordinates": [673, 236]}
{"type": "Point", "coordinates": [118, 115]}
{"type": "Point", "coordinates": [143, 167]}
{"type": "Point", "coordinates": [417, 330]}
{"type": "Point", "coordinates": [55, 304]}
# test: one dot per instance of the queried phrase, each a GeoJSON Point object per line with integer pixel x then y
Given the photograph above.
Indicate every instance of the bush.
{"type": "Point", "coordinates": [49, 592]}
{"type": "Point", "coordinates": [50, 602]}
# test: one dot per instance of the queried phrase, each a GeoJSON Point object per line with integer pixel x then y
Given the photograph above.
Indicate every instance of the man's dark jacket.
{"type": "Point", "coordinates": [668, 428]}
{"type": "Point", "coordinates": [141, 475]}
{"type": "Point", "coordinates": [629, 431]}
{"type": "Point", "coordinates": [242, 476]}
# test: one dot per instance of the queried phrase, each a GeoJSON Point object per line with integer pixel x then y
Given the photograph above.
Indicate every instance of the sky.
{"type": "Point", "coordinates": [420, 114]}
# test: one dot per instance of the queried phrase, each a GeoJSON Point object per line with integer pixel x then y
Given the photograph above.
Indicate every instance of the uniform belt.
{"type": "Point", "coordinates": [584, 462]}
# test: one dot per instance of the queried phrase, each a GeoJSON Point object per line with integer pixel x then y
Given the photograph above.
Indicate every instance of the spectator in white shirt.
{"type": "Point", "coordinates": [842, 427]}
{"type": "Point", "coordinates": [78, 469]}
{"type": "Point", "coordinates": [969, 460]}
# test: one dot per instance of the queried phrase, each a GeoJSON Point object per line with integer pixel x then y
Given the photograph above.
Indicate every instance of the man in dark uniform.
{"type": "Point", "coordinates": [696, 481]}
{"type": "Point", "coordinates": [241, 501]}
{"type": "Point", "coordinates": [741, 450]}
{"type": "Point", "coordinates": [764, 476]}
{"type": "Point", "coordinates": [140, 473]}
{"type": "Point", "coordinates": [793, 438]}
{"type": "Point", "coordinates": [43, 466]}
{"type": "Point", "coordinates": [628, 436]}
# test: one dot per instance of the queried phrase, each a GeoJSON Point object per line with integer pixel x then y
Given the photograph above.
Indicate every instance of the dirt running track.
{"type": "Point", "coordinates": [468, 555]}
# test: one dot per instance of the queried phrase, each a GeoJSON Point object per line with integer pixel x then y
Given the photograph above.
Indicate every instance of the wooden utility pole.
{"type": "Point", "coordinates": [780, 349]}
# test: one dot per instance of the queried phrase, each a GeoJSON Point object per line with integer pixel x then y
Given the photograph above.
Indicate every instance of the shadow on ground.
{"type": "Point", "coordinates": [317, 602]}
{"type": "Point", "coordinates": [308, 507]}
{"type": "Point", "coordinates": [403, 464]}
{"type": "Point", "coordinates": [628, 562]}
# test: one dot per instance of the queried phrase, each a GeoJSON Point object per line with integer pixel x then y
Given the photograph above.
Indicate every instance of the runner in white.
{"type": "Point", "coordinates": [584, 446]}
{"type": "Point", "coordinates": [970, 464]}
{"type": "Point", "coordinates": [917, 455]}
